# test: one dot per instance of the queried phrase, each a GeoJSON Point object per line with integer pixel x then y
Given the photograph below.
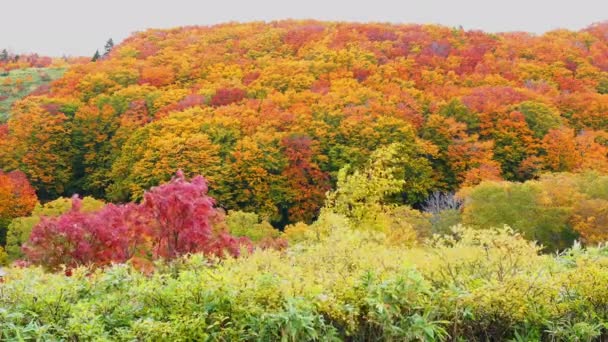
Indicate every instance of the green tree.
{"type": "Point", "coordinates": [371, 197]}
{"type": "Point", "coordinates": [461, 113]}
{"type": "Point", "coordinates": [108, 47]}
{"type": "Point", "coordinates": [408, 162]}
{"type": "Point", "coordinates": [540, 117]}
{"type": "Point", "coordinates": [96, 56]}
{"type": "Point", "coordinates": [522, 206]}
{"type": "Point", "coordinates": [361, 195]}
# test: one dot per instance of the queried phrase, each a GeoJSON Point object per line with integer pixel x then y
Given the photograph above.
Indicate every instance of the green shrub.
{"type": "Point", "coordinates": [250, 225]}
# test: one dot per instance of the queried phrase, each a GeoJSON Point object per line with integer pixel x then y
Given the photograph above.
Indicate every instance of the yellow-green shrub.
{"type": "Point", "coordinates": [345, 284]}
{"type": "Point", "coordinates": [250, 225]}
{"type": "Point", "coordinates": [297, 232]}
{"type": "Point", "coordinates": [3, 257]}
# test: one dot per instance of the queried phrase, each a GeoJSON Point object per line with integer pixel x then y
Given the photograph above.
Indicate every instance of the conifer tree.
{"type": "Point", "coordinates": [108, 47]}
{"type": "Point", "coordinates": [96, 56]}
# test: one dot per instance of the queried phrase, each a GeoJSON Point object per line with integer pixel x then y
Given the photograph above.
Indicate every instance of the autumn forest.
{"type": "Point", "coordinates": [307, 180]}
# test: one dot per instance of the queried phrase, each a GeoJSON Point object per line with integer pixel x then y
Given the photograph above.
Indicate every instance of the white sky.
{"type": "Point", "coordinates": [79, 27]}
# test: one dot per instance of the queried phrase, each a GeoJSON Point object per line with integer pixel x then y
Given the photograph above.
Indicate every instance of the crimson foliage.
{"type": "Point", "coordinates": [226, 96]}
{"type": "Point", "coordinates": [173, 220]}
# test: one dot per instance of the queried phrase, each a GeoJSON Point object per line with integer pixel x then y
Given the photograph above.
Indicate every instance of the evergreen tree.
{"type": "Point", "coordinates": [108, 47]}
{"type": "Point", "coordinates": [96, 56]}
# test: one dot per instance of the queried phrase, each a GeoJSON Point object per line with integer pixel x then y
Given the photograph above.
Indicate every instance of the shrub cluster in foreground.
{"type": "Point", "coordinates": [174, 219]}
{"type": "Point", "coordinates": [348, 285]}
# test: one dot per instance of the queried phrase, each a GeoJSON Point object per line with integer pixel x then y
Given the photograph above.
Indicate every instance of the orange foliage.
{"type": "Point", "coordinates": [17, 197]}
{"type": "Point", "coordinates": [282, 106]}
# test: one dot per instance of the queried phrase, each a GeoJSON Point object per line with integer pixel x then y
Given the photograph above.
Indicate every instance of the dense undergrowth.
{"type": "Point", "coordinates": [473, 285]}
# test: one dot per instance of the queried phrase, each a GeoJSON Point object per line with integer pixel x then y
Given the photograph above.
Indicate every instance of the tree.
{"type": "Point", "coordinates": [39, 142]}
{"type": "Point", "coordinates": [108, 47]}
{"type": "Point", "coordinates": [252, 180]}
{"type": "Point", "coordinates": [248, 104]}
{"type": "Point", "coordinates": [226, 96]}
{"type": "Point", "coordinates": [593, 149]}
{"type": "Point", "coordinates": [560, 149]}
{"type": "Point", "coordinates": [20, 228]}
{"type": "Point", "coordinates": [307, 183]}
{"type": "Point", "coordinates": [590, 219]}
{"type": "Point", "coordinates": [361, 195]}
{"type": "Point", "coordinates": [17, 198]}
{"type": "Point", "coordinates": [96, 56]}
{"type": "Point", "coordinates": [78, 238]}
{"type": "Point", "coordinates": [242, 224]}
{"type": "Point", "coordinates": [367, 196]}
{"type": "Point", "coordinates": [525, 207]}
{"type": "Point", "coordinates": [446, 134]}
{"type": "Point", "coordinates": [180, 213]}
{"type": "Point", "coordinates": [514, 142]}
{"type": "Point", "coordinates": [174, 219]}
{"type": "Point", "coordinates": [409, 162]}
{"type": "Point", "coordinates": [157, 76]}
{"type": "Point", "coordinates": [154, 152]}
{"type": "Point", "coordinates": [539, 117]}
{"type": "Point", "coordinates": [461, 113]}
{"type": "Point", "coordinates": [92, 135]}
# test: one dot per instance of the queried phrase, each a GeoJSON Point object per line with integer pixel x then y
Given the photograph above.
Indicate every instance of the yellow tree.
{"type": "Point", "coordinates": [39, 137]}
{"type": "Point", "coordinates": [251, 177]}
{"type": "Point", "coordinates": [155, 152]}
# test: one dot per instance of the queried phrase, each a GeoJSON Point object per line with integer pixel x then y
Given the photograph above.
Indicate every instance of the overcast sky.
{"type": "Point", "coordinates": [79, 27]}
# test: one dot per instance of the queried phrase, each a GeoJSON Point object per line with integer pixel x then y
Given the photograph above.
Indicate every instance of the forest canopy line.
{"type": "Point", "coordinates": [270, 112]}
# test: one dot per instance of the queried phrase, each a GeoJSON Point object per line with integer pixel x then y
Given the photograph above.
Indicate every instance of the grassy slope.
{"type": "Point", "coordinates": [31, 79]}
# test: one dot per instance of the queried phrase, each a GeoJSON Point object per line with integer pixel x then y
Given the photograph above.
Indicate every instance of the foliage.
{"type": "Point", "coordinates": [250, 225]}
{"type": "Point", "coordinates": [17, 198]}
{"type": "Point", "coordinates": [539, 117]}
{"type": "Point", "coordinates": [335, 133]}
{"type": "Point", "coordinates": [362, 195]}
{"type": "Point", "coordinates": [19, 230]}
{"type": "Point", "coordinates": [553, 210]}
{"type": "Point", "coordinates": [173, 220]}
{"type": "Point", "coordinates": [3, 257]}
{"type": "Point", "coordinates": [473, 285]}
{"type": "Point", "coordinates": [271, 112]}
{"type": "Point", "coordinates": [365, 196]}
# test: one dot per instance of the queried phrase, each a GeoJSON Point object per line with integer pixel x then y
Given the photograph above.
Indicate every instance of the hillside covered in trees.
{"type": "Point", "coordinates": [270, 113]}
{"type": "Point", "coordinates": [356, 184]}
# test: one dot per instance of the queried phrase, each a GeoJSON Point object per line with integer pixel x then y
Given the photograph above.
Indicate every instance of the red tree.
{"type": "Point", "coordinates": [174, 219]}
